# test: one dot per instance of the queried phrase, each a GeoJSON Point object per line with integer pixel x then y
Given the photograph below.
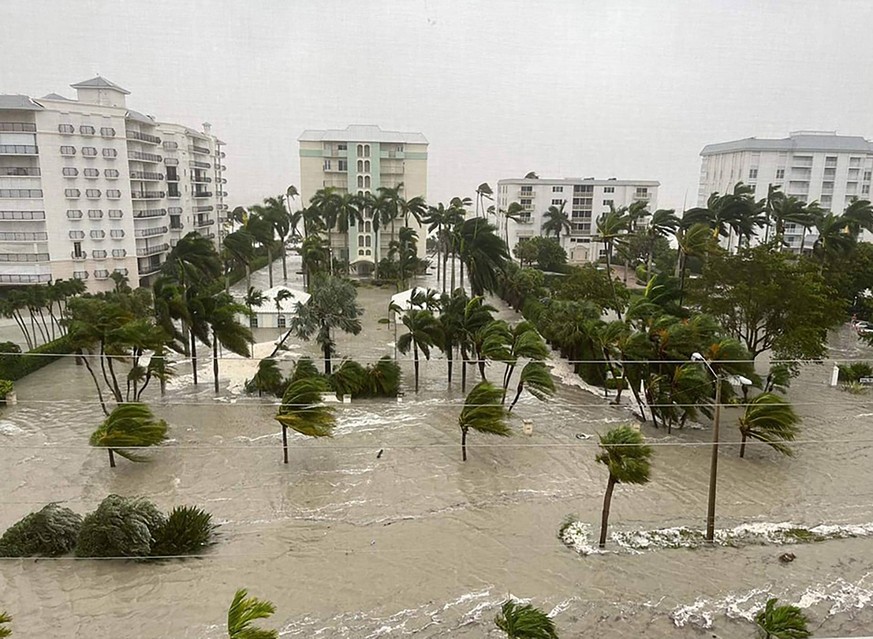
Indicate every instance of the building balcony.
{"type": "Point", "coordinates": [171, 161]}
{"type": "Point", "coordinates": [158, 230]}
{"type": "Point", "coordinates": [143, 137]}
{"type": "Point", "coordinates": [152, 250]}
{"type": "Point", "coordinates": [201, 179]}
{"type": "Point", "coordinates": [525, 219]}
{"type": "Point", "coordinates": [18, 149]}
{"type": "Point", "coordinates": [209, 236]}
{"type": "Point", "coordinates": [147, 213]}
{"type": "Point", "coordinates": [22, 216]}
{"type": "Point", "coordinates": [172, 178]}
{"type": "Point", "coordinates": [19, 171]}
{"type": "Point", "coordinates": [147, 195]}
{"type": "Point", "coordinates": [17, 127]}
{"type": "Point", "coordinates": [392, 154]}
{"type": "Point", "coordinates": [220, 167]}
{"type": "Point", "coordinates": [200, 149]}
{"type": "Point", "coordinates": [139, 156]}
{"type": "Point", "coordinates": [81, 256]}
{"type": "Point", "coordinates": [25, 278]}
{"type": "Point", "coordinates": [200, 209]}
{"type": "Point", "coordinates": [205, 222]}
{"type": "Point", "coordinates": [202, 194]}
{"type": "Point", "coordinates": [199, 165]}
{"type": "Point", "coordinates": [149, 269]}
{"type": "Point", "coordinates": [146, 176]}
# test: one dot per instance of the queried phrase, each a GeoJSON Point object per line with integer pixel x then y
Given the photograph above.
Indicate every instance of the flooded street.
{"type": "Point", "coordinates": [418, 543]}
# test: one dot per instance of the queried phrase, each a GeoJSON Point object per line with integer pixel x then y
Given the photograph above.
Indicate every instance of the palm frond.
{"type": "Point", "coordinates": [243, 611]}
{"type": "Point", "coordinates": [130, 426]}
{"type": "Point", "coordinates": [484, 412]}
{"type": "Point", "coordinates": [782, 622]}
{"type": "Point", "coordinates": [625, 454]}
{"type": "Point", "coordinates": [770, 419]}
{"type": "Point", "coordinates": [302, 409]}
{"type": "Point", "coordinates": [525, 622]}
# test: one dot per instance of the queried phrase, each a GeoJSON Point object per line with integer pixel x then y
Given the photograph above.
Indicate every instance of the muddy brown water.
{"type": "Point", "coordinates": [417, 543]}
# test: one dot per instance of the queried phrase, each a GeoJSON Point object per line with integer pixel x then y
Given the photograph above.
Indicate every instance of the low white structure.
{"type": "Point", "coordinates": [403, 299]}
{"type": "Point", "coordinates": [271, 314]}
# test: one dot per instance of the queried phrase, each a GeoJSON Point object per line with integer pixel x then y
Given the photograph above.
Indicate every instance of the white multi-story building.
{"type": "Point", "coordinates": [809, 165]}
{"type": "Point", "coordinates": [89, 187]}
{"type": "Point", "coordinates": [361, 159]}
{"type": "Point", "coordinates": [584, 200]}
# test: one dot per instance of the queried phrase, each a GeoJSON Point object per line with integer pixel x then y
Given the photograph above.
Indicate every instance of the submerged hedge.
{"type": "Point", "coordinates": [16, 366]}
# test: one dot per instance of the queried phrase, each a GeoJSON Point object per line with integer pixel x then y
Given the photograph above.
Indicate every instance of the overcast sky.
{"type": "Point", "coordinates": [572, 88]}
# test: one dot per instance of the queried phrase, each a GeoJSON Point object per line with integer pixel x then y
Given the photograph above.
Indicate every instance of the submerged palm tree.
{"type": "Point", "coordinates": [525, 622]}
{"type": "Point", "coordinates": [129, 426]}
{"type": "Point", "coordinates": [483, 412]}
{"type": "Point", "coordinates": [423, 332]}
{"type": "Point", "coordinates": [629, 462]}
{"type": "Point", "coordinates": [243, 611]}
{"type": "Point", "coordinates": [781, 622]}
{"type": "Point", "coordinates": [769, 419]}
{"type": "Point", "coordinates": [536, 378]}
{"type": "Point", "coordinates": [303, 411]}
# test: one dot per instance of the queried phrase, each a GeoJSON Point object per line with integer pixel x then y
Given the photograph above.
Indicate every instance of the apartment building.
{"type": "Point", "coordinates": [361, 159]}
{"type": "Point", "coordinates": [583, 199]}
{"type": "Point", "coordinates": [89, 187]}
{"type": "Point", "coordinates": [810, 165]}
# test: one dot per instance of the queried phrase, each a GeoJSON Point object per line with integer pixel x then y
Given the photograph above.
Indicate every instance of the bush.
{"type": "Point", "coordinates": [14, 367]}
{"type": "Point", "coordinates": [383, 378]}
{"type": "Point", "coordinates": [120, 527]}
{"type": "Point", "coordinates": [855, 371]}
{"type": "Point", "coordinates": [49, 532]}
{"type": "Point", "coordinates": [349, 378]}
{"type": "Point", "coordinates": [187, 530]}
{"type": "Point", "coordinates": [6, 387]}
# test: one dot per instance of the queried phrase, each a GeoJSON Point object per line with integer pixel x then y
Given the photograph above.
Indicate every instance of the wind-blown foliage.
{"type": "Point", "coordinates": [120, 527]}
{"type": "Point", "coordinates": [537, 380]}
{"type": "Point", "coordinates": [628, 459]}
{"type": "Point", "coordinates": [268, 379]}
{"type": "Point", "coordinates": [49, 532]}
{"type": "Point", "coordinates": [483, 412]}
{"type": "Point", "coordinates": [349, 378]}
{"type": "Point", "coordinates": [129, 426]}
{"type": "Point", "coordinates": [383, 378]}
{"type": "Point", "coordinates": [4, 619]}
{"type": "Point", "coordinates": [186, 530]}
{"type": "Point", "coordinates": [525, 622]}
{"type": "Point", "coordinates": [770, 419]}
{"type": "Point", "coordinates": [782, 622]}
{"type": "Point", "coordinates": [243, 611]}
{"type": "Point", "coordinates": [303, 411]}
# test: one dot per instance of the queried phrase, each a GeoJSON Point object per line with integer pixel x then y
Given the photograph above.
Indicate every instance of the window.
{"type": "Point", "coordinates": [360, 166]}
{"type": "Point", "coordinates": [854, 161]}
{"type": "Point", "coordinates": [115, 214]}
{"type": "Point", "coordinates": [253, 321]}
{"type": "Point", "coordinates": [173, 189]}
{"type": "Point", "coordinates": [77, 250]}
{"type": "Point", "coordinates": [557, 202]}
{"type": "Point", "coordinates": [110, 173]}
{"type": "Point", "coordinates": [66, 128]}
{"type": "Point", "coordinates": [360, 150]}
{"type": "Point", "coordinates": [557, 189]}
{"type": "Point", "coordinates": [121, 271]}
{"type": "Point", "coordinates": [80, 275]}
{"type": "Point", "coordinates": [327, 165]}
{"type": "Point", "coordinates": [582, 201]}
{"type": "Point", "coordinates": [865, 189]}
{"type": "Point", "coordinates": [831, 160]}
{"type": "Point", "coordinates": [95, 214]}
{"type": "Point", "coordinates": [780, 174]}
{"type": "Point", "coordinates": [366, 150]}
{"type": "Point", "coordinates": [99, 254]}
{"type": "Point", "coordinates": [91, 173]}
{"type": "Point", "coordinates": [107, 132]}
{"type": "Point", "coordinates": [608, 202]}
{"type": "Point", "coordinates": [342, 165]}
{"type": "Point", "coordinates": [360, 181]}
{"type": "Point", "coordinates": [366, 166]}
{"type": "Point", "coordinates": [98, 234]}
{"type": "Point", "coordinates": [70, 171]}
{"type": "Point", "coordinates": [583, 188]}
{"type": "Point", "coordinates": [867, 175]}
{"type": "Point", "coordinates": [609, 189]}
{"type": "Point", "coordinates": [110, 153]}
{"type": "Point", "coordinates": [86, 129]}
{"type": "Point", "coordinates": [101, 274]}
{"type": "Point", "coordinates": [77, 235]}
{"type": "Point", "coordinates": [113, 194]}
{"type": "Point", "coordinates": [92, 193]}
{"type": "Point", "coordinates": [89, 151]}
{"type": "Point", "coordinates": [116, 233]}
{"type": "Point", "coordinates": [119, 252]}
{"type": "Point", "coordinates": [281, 321]}
{"type": "Point", "coordinates": [366, 181]}
{"type": "Point", "coordinates": [68, 150]}
{"type": "Point", "coordinates": [342, 146]}
{"type": "Point", "coordinates": [74, 214]}
{"type": "Point", "coordinates": [753, 173]}
{"type": "Point", "coordinates": [72, 192]}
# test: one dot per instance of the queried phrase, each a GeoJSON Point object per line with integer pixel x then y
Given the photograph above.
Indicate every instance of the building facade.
{"type": "Point", "coordinates": [362, 159]}
{"type": "Point", "coordinates": [813, 166]}
{"type": "Point", "coordinates": [89, 187]}
{"type": "Point", "coordinates": [583, 199]}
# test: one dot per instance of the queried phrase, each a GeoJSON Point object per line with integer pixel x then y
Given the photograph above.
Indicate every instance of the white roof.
{"type": "Point", "coordinates": [361, 133]}
{"type": "Point", "coordinates": [285, 306]}
{"type": "Point", "coordinates": [403, 299]}
{"type": "Point", "coordinates": [99, 83]}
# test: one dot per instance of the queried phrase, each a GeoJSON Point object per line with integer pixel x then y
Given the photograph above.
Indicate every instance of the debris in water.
{"type": "Point", "coordinates": [379, 454]}
{"type": "Point", "coordinates": [583, 436]}
{"type": "Point", "coordinates": [787, 557]}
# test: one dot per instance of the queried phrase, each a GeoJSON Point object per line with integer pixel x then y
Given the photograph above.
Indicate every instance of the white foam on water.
{"type": "Point", "coordinates": [10, 430]}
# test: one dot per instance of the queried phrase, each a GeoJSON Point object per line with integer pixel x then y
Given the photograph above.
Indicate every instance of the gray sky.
{"type": "Point", "coordinates": [571, 88]}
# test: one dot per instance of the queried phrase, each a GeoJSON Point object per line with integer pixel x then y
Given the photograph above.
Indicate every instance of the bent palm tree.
{"type": "Point", "coordinates": [302, 410]}
{"type": "Point", "coordinates": [536, 378]}
{"type": "Point", "coordinates": [781, 622]}
{"type": "Point", "coordinates": [129, 426]}
{"type": "Point", "coordinates": [769, 419]}
{"type": "Point", "coordinates": [424, 331]}
{"type": "Point", "coordinates": [629, 462]}
{"type": "Point", "coordinates": [525, 622]}
{"type": "Point", "coordinates": [484, 413]}
{"type": "Point", "coordinates": [243, 611]}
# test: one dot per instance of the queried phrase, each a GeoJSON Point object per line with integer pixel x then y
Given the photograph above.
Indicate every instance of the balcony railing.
{"type": "Point", "coordinates": [79, 257]}
{"type": "Point", "coordinates": [172, 177]}
{"type": "Point", "coordinates": [152, 250]}
{"type": "Point", "coordinates": [25, 278]}
{"type": "Point", "coordinates": [147, 195]}
{"type": "Point", "coordinates": [202, 194]}
{"type": "Point", "coordinates": [145, 213]}
{"type": "Point", "coordinates": [149, 268]}
{"type": "Point", "coordinates": [171, 161]}
{"type": "Point", "coordinates": [200, 149]}
{"type": "Point", "coordinates": [158, 230]}
{"type": "Point", "coordinates": [199, 165]}
{"type": "Point", "coordinates": [18, 149]}
{"type": "Point", "coordinates": [200, 209]}
{"type": "Point", "coordinates": [146, 176]}
{"type": "Point", "coordinates": [144, 157]}
{"type": "Point", "coordinates": [220, 167]}
{"type": "Point", "coordinates": [525, 219]}
{"type": "Point", "coordinates": [200, 178]}
{"type": "Point", "coordinates": [19, 171]}
{"type": "Point", "coordinates": [17, 216]}
{"type": "Point", "coordinates": [143, 137]}
{"type": "Point", "coordinates": [17, 127]}
{"type": "Point", "coordinates": [19, 236]}
{"type": "Point", "coordinates": [202, 223]}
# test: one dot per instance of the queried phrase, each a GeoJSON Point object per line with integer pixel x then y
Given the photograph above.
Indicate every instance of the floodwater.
{"type": "Point", "coordinates": [416, 543]}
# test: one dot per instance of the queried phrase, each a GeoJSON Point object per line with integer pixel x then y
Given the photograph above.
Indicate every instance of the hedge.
{"type": "Point", "coordinates": [14, 367]}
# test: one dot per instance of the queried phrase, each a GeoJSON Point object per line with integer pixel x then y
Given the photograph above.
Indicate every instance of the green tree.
{"type": "Point", "coordinates": [120, 527]}
{"type": "Point", "coordinates": [268, 378]}
{"type": "Point", "coordinates": [770, 419]}
{"type": "Point", "coordinates": [243, 611]}
{"type": "Point", "coordinates": [536, 378]}
{"type": "Point", "coordinates": [628, 459]}
{"type": "Point", "coordinates": [483, 253]}
{"type": "Point", "coordinates": [240, 245]}
{"type": "Point", "coordinates": [587, 283]}
{"type": "Point", "coordinates": [525, 622]}
{"type": "Point", "coordinates": [49, 532]}
{"type": "Point", "coordinates": [556, 220]}
{"type": "Point", "coordinates": [782, 622]}
{"type": "Point", "coordinates": [546, 252]}
{"type": "Point", "coordinates": [484, 413]}
{"type": "Point", "coordinates": [524, 342]}
{"type": "Point", "coordinates": [193, 261]}
{"type": "Point", "coordinates": [129, 426]}
{"type": "Point", "coordinates": [303, 411]}
{"type": "Point", "coordinates": [222, 312]}
{"type": "Point", "coordinates": [423, 332]}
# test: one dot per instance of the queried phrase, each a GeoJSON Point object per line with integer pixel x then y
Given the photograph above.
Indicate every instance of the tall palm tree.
{"type": "Point", "coordinates": [484, 254]}
{"type": "Point", "coordinates": [451, 317]}
{"type": "Point", "coordinates": [455, 216]}
{"type": "Point", "coordinates": [243, 611]}
{"type": "Point", "coordinates": [525, 342]}
{"type": "Point", "coordinates": [222, 312]}
{"type": "Point", "coordinates": [260, 226]}
{"type": "Point", "coordinates": [324, 202]}
{"type": "Point", "coordinates": [612, 226]}
{"type": "Point", "coordinates": [664, 223]}
{"type": "Point", "coordinates": [303, 411]}
{"type": "Point", "coordinates": [483, 192]}
{"type": "Point", "coordinates": [536, 378]}
{"type": "Point", "coordinates": [436, 219]}
{"type": "Point", "coordinates": [484, 413]}
{"type": "Point", "coordinates": [782, 622]}
{"type": "Point", "coordinates": [770, 419]}
{"type": "Point", "coordinates": [693, 241]}
{"type": "Point", "coordinates": [628, 459]}
{"type": "Point", "coordinates": [348, 216]}
{"type": "Point", "coordinates": [129, 426]}
{"type": "Point", "coordinates": [525, 622]}
{"type": "Point", "coordinates": [423, 332]}
{"type": "Point", "coordinates": [557, 221]}
{"type": "Point", "coordinates": [240, 245]}
{"type": "Point", "coordinates": [514, 212]}
{"type": "Point", "coordinates": [834, 238]}
{"type": "Point", "coordinates": [193, 261]}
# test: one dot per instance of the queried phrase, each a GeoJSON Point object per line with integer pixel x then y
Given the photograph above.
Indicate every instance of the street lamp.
{"type": "Point", "coordinates": [713, 464]}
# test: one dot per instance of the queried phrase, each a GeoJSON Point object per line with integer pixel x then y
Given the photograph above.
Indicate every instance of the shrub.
{"type": "Point", "coordinates": [349, 378]}
{"type": "Point", "coordinates": [268, 379]}
{"type": "Point", "coordinates": [14, 367]}
{"type": "Point", "coordinates": [120, 527]}
{"type": "Point", "coordinates": [6, 387]}
{"type": "Point", "coordinates": [186, 530]}
{"type": "Point", "coordinates": [49, 532]}
{"type": "Point", "coordinates": [855, 371]}
{"type": "Point", "coordinates": [304, 368]}
{"type": "Point", "coordinates": [383, 378]}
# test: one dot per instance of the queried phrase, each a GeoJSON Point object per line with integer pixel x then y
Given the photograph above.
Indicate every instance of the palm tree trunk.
{"type": "Point", "coordinates": [248, 276]}
{"type": "Point", "coordinates": [326, 349]}
{"type": "Point", "coordinates": [415, 364]}
{"type": "Point", "coordinates": [612, 281]}
{"type": "Point", "coordinates": [449, 365]}
{"type": "Point", "coordinates": [96, 383]}
{"type": "Point", "coordinates": [517, 395]}
{"type": "Point", "coordinates": [742, 445]}
{"type": "Point", "coordinates": [463, 444]}
{"type": "Point", "coordinates": [215, 360]}
{"type": "Point", "coordinates": [111, 458]}
{"type": "Point", "coordinates": [604, 518]}
{"type": "Point", "coordinates": [194, 357]}
{"type": "Point", "coordinates": [270, 262]}
{"type": "Point", "coordinates": [684, 265]}
{"type": "Point", "coordinates": [463, 370]}
{"type": "Point", "coordinates": [454, 267]}
{"type": "Point", "coordinates": [284, 261]}
{"type": "Point", "coordinates": [438, 262]}
{"type": "Point", "coordinates": [285, 443]}
{"type": "Point", "coordinates": [507, 375]}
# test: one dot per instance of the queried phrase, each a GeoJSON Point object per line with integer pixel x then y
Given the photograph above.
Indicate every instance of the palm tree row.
{"type": "Point", "coordinates": [39, 311]}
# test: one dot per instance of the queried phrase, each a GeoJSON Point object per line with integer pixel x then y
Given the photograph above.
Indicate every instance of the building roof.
{"type": "Point", "coordinates": [18, 103]}
{"type": "Point", "coordinates": [285, 306]}
{"type": "Point", "coordinates": [361, 133]}
{"type": "Point", "coordinates": [99, 83]}
{"type": "Point", "coordinates": [139, 117]}
{"type": "Point", "coordinates": [55, 96]}
{"type": "Point", "coordinates": [570, 180]}
{"type": "Point", "coordinates": [797, 141]}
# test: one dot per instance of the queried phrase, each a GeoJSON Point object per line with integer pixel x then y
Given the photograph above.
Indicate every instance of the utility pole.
{"type": "Point", "coordinates": [713, 465]}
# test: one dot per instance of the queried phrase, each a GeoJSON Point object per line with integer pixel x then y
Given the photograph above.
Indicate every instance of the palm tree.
{"type": "Point", "coordinates": [770, 419]}
{"type": "Point", "coordinates": [451, 317]}
{"type": "Point", "coordinates": [303, 411]}
{"type": "Point", "coordinates": [193, 261]}
{"type": "Point", "coordinates": [483, 192]}
{"type": "Point", "coordinates": [240, 245]}
{"type": "Point", "coordinates": [556, 221]}
{"type": "Point", "coordinates": [693, 241]}
{"type": "Point", "coordinates": [834, 238]}
{"type": "Point", "coordinates": [525, 622]}
{"type": "Point", "coordinates": [524, 342]}
{"type": "Point", "coordinates": [455, 215]}
{"type": "Point", "coordinates": [611, 227]}
{"type": "Point", "coordinates": [268, 378]}
{"type": "Point", "coordinates": [858, 216]}
{"type": "Point", "coordinates": [243, 611]}
{"type": "Point", "coordinates": [781, 622]}
{"type": "Point", "coordinates": [260, 227]}
{"type": "Point", "coordinates": [347, 216]}
{"type": "Point", "coordinates": [324, 204]}
{"type": "Point", "coordinates": [629, 462]}
{"type": "Point", "coordinates": [129, 426]}
{"type": "Point", "coordinates": [423, 331]}
{"type": "Point", "coordinates": [664, 223]}
{"type": "Point", "coordinates": [536, 378]}
{"type": "Point", "coordinates": [484, 254]}
{"type": "Point", "coordinates": [221, 315]}
{"type": "Point", "coordinates": [436, 219]}
{"type": "Point", "coordinates": [483, 413]}
{"type": "Point", "coordinates": [514, 212]}
{"type": "Point", "coordinates": [4, 619]}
